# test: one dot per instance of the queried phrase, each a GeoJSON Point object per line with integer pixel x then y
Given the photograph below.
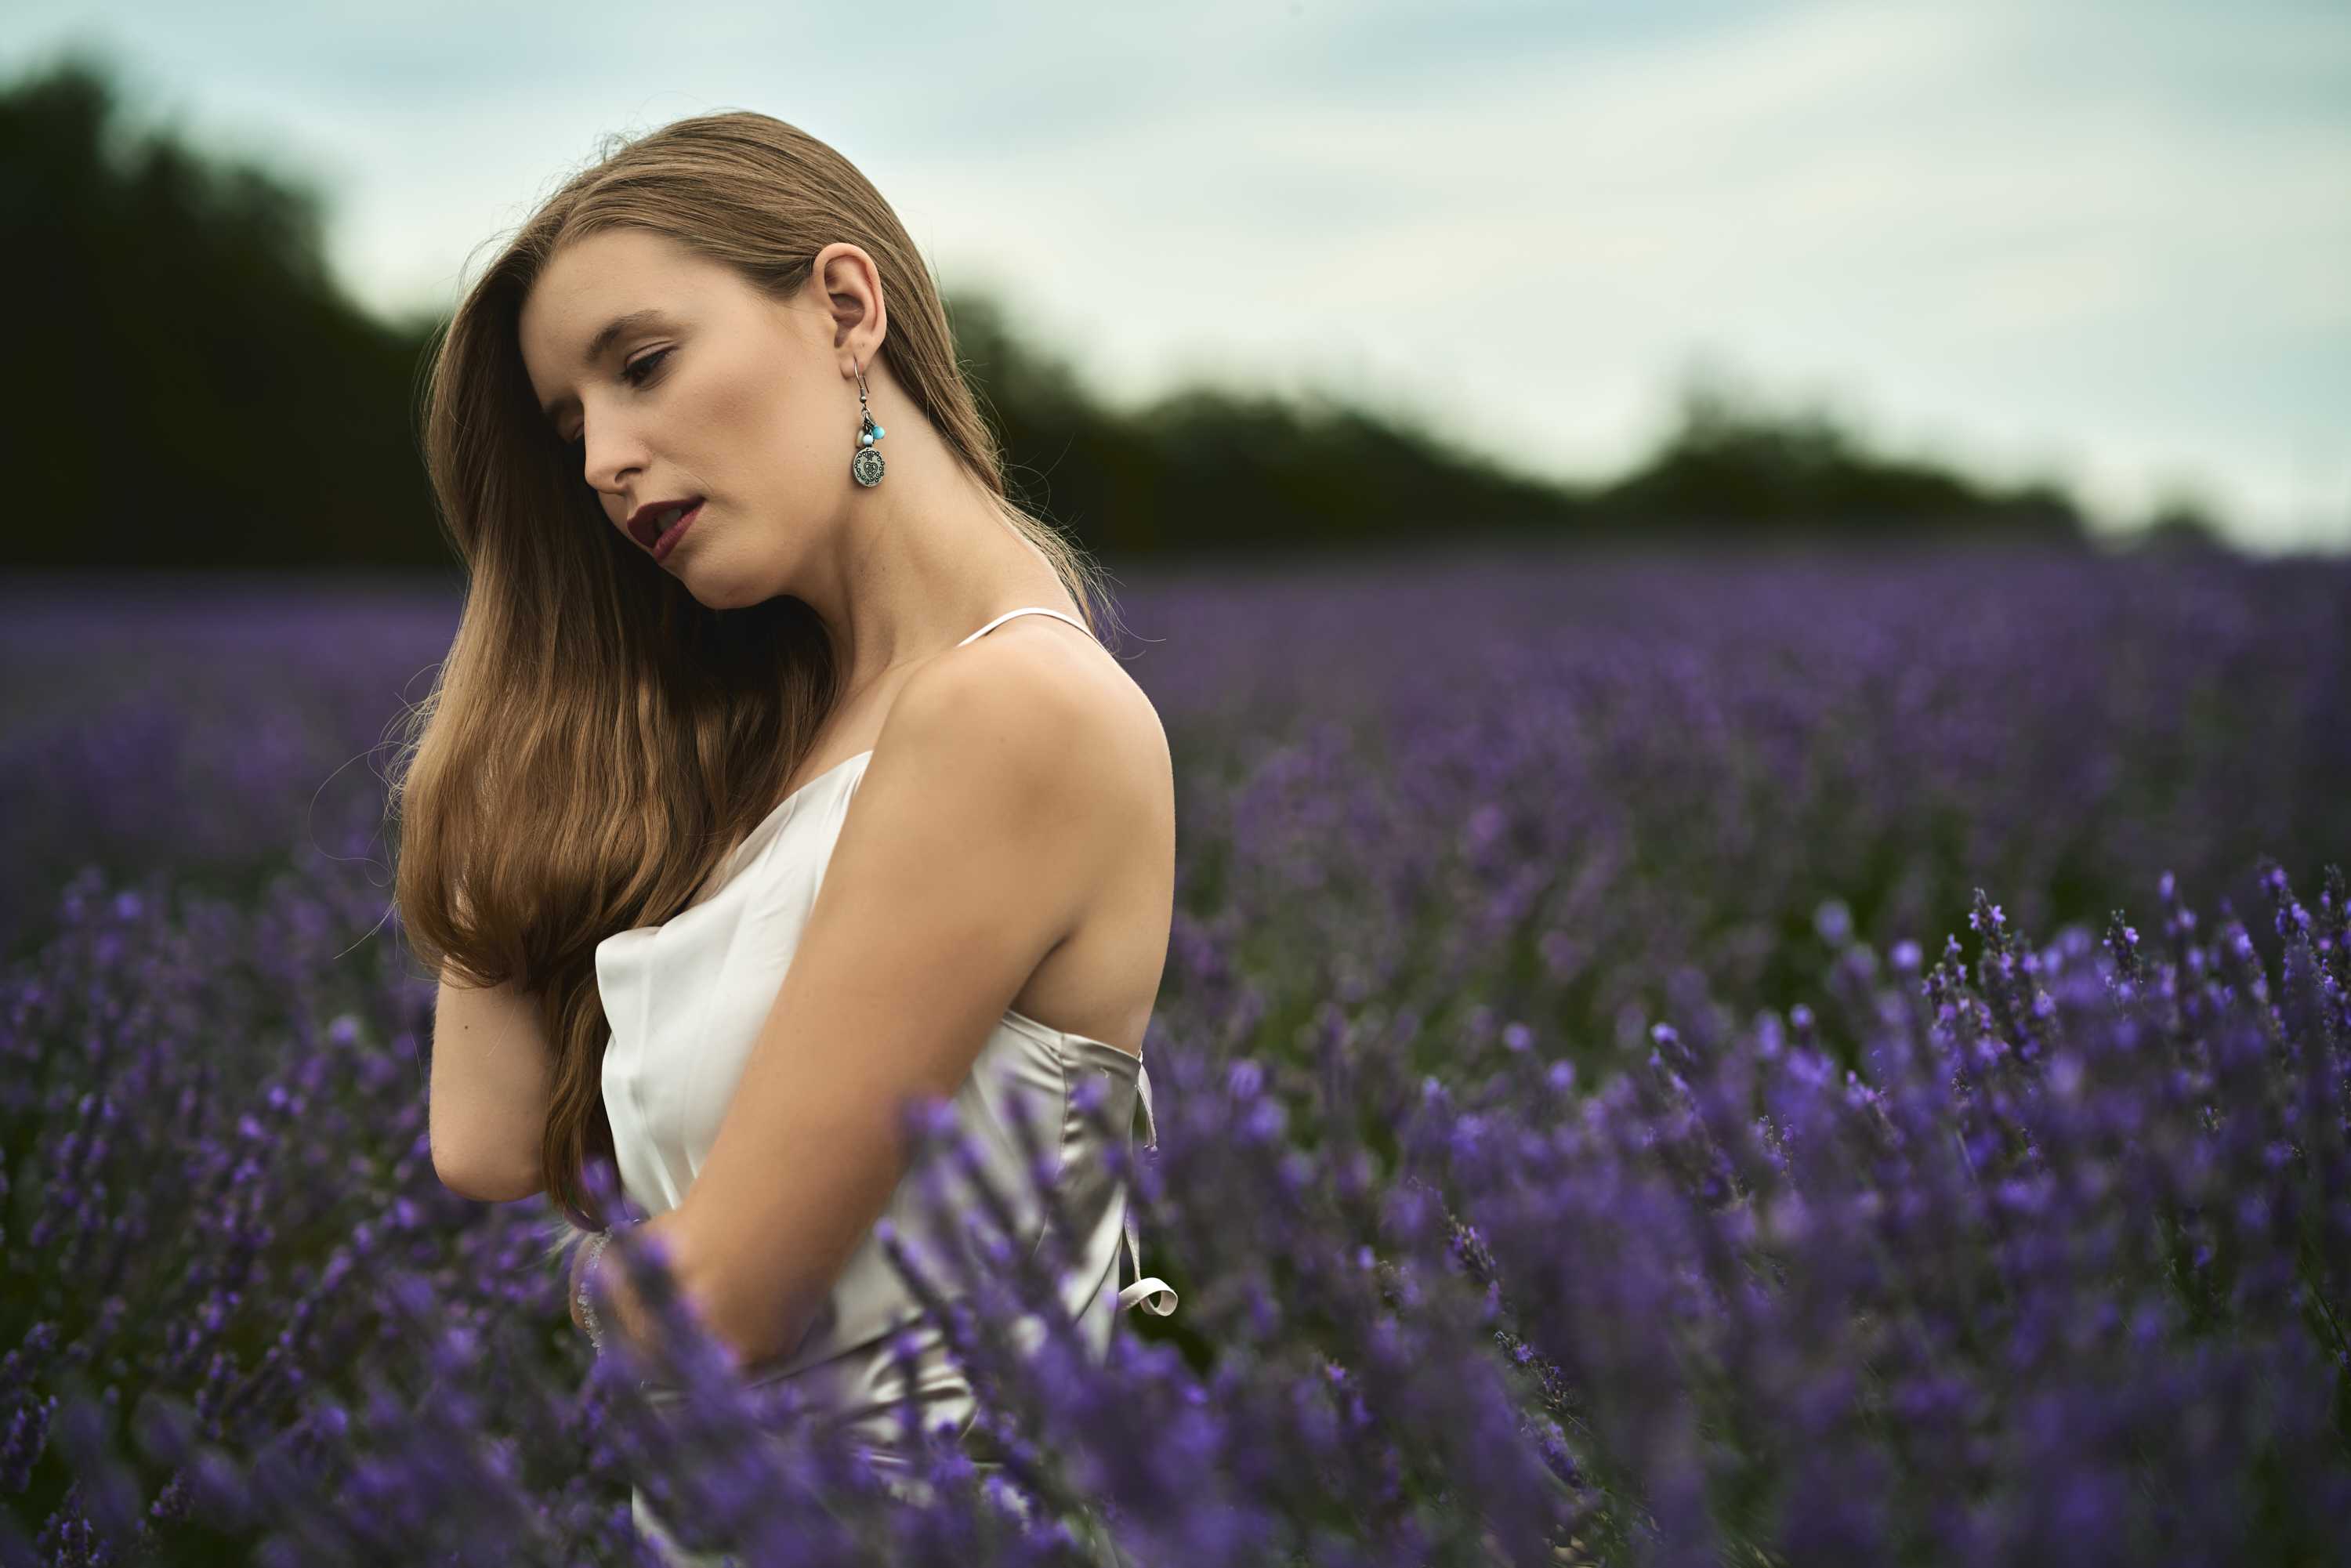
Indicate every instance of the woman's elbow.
{"type": "Point", "coordinates": [489, 1186]}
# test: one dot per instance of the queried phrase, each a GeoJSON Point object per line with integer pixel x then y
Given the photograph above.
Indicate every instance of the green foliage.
{"type": "Point", "coordinates": [1733, 464]}
{"type": "Point", "coordinates": [196, 392]}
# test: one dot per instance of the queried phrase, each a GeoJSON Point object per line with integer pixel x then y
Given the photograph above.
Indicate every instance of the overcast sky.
{"type": "Point", "coordinates": [2108, 242]}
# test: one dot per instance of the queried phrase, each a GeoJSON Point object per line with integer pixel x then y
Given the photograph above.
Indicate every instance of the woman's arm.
{"type": "Point", "coordinates": [492, 1070]}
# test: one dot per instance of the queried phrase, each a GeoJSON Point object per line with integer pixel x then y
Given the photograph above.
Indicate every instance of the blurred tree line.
{"type": "Point", "coordinates": [195, 390]}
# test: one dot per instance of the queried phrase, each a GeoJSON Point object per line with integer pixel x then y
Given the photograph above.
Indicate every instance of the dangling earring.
{"type": "Point", "coordinates": [866, 467]}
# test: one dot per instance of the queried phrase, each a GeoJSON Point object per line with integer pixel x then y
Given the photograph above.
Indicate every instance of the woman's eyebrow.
{"type": "Point", "coordinates": [605, 337]}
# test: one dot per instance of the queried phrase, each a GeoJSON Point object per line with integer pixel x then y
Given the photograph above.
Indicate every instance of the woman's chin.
{"type": "Point", "coordinates": [717, 590]}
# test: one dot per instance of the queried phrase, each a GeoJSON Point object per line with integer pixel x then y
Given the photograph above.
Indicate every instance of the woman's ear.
{"type": "Point", "coordinates": [851, 286]}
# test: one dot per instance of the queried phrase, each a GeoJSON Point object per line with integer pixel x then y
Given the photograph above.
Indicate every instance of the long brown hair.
{"type": "Point", "coordinates": [597, 739]}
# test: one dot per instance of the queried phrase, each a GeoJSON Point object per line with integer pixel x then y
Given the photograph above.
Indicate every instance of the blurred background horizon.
{"type": "Point", "coordinates": [1575, 274]}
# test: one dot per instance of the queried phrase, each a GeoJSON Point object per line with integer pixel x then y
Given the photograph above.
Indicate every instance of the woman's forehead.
{"type": "Point", "coordinates": [592, 281]}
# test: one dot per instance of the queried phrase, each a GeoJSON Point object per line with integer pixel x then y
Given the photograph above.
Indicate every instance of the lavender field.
{"type": "Point", "coordinates": [1661, 1060]}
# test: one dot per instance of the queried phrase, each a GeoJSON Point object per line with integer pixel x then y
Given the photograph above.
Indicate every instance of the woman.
{"type": "Point", "coordinates": [750, 615]}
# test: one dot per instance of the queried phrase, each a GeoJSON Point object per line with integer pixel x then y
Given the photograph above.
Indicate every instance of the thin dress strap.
{"type": "Point", "coordinates": [1161, 1298]}
{"type": "Point", "coordinates": [1031, 610]}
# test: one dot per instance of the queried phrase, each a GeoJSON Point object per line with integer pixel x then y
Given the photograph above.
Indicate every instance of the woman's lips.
{"type": "Point", "coordinates": [668, 541]}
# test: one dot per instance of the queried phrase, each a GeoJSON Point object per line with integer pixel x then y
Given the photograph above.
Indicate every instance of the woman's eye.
{"type": "Point", "coordinates": [630, 375]}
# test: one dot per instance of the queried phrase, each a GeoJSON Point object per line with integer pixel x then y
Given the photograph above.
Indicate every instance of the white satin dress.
{"type": "Point", "coordinates": [686, 1000]}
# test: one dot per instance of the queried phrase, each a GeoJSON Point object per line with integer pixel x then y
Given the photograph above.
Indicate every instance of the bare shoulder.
{"type": "Point", "coordinates": [1018, 766]}
{"type": "Point", "coordinates": [1050, 713]}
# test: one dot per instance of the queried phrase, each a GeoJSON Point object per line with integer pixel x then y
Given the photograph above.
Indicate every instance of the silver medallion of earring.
{"type": "Point", "coordinates": [866, 467]}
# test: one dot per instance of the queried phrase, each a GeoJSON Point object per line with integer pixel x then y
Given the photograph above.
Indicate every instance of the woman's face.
{"type": "Point", "coordinates": [710, 390]}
